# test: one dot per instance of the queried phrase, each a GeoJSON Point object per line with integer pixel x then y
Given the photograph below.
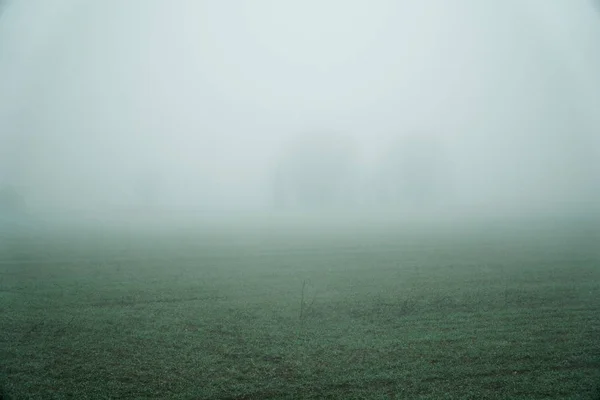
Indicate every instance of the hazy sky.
{"type": "Point", "coordinates": [196, 101]}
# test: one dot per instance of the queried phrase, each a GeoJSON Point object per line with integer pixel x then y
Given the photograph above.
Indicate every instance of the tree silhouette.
{"type": "Point", "coordinates": [12, 202]}
{"type": "Point", "coordinates": [316, 171]}
{"type": "Point", "coordinates": [412, 173]}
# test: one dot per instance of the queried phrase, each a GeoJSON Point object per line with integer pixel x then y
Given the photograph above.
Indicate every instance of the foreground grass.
{"type": "Point", "coordinates": [487, 313]}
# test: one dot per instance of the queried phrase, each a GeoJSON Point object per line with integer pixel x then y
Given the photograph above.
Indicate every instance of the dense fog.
{"type": "Point", "coordinates": [177, 108]}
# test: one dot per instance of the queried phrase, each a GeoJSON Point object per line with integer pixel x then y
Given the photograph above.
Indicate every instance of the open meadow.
{"type": "Point", "coordinates": [497, 311]}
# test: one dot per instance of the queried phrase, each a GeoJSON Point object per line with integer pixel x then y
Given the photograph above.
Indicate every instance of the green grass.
{"type": "Point", "coordinates": [494, 313]}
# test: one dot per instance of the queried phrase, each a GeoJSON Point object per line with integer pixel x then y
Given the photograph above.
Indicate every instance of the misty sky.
{"type": "Point", "coordinates": [194, 103]}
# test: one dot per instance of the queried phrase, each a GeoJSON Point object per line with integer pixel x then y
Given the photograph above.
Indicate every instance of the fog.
{"type": "Point", "coordinates": [170, 109]}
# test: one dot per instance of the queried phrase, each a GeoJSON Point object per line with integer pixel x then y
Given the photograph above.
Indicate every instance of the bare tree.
{"type": "Point", "coordinates": [12, 202]}
{"type": "Point", "coordinates": [316, 171]}
{"type": "Point", "coordinates": [413, 173]}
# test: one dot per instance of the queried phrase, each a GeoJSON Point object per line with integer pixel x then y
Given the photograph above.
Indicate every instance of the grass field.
{"type": "Point", "coordinates": [487, 312]}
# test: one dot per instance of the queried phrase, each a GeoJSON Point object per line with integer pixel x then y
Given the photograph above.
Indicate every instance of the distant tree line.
{"type": "Point", "coordinates": [12, 201]}
{"type": "Point", "coordinates": [324, 171]}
